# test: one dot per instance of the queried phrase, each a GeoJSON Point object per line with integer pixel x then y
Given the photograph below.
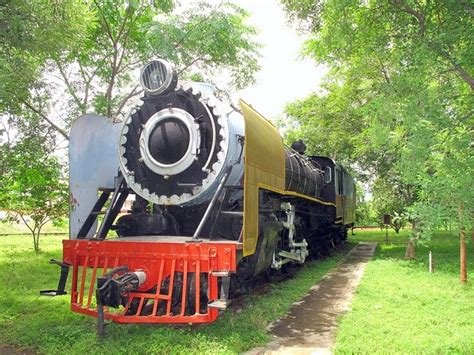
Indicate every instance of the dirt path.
{"type": "Point", "coordinates": [310, 325]}
{"type": "Point", "coordinates": [10, 350]}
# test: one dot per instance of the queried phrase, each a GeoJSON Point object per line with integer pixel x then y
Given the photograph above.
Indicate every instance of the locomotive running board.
{"type": "Point", "coordinates": [187, 274]}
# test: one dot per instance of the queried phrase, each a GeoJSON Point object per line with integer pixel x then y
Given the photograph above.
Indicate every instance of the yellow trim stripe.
{"type": "Point", "coordinates": [296, 194]}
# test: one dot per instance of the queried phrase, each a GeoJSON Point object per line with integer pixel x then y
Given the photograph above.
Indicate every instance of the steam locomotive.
{"type": "Point", "coordinates": [212, 199]}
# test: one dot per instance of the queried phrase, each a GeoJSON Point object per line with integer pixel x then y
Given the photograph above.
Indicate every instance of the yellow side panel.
{"type": "Point", "coordinates": [264, 165]}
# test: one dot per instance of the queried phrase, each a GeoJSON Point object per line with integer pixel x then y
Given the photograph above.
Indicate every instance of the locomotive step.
{"type": "Point", "coordinates": [289, 255]}
{"type": "Point", "coordinates": [220, 273]}
{"type": "Point", "coordinates": [219, 304]}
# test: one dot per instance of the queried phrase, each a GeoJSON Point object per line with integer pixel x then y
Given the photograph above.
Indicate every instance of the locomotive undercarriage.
{"type": "Point", "coordinates": [190, 280]}
{"type": "Point", "coordinates": [291, 229]}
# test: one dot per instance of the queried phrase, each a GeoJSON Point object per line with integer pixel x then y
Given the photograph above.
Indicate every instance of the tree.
{"type": "Point", "coordinates": [32, 188]}
{"type": "Point", "coordinates": [398, 221]}
{"type": "Point", "coordinates": [61, 59]}
{"type": "Point", "coordinates": [97, 68]}
{"type": "Point", "coordinates": [392, 196]}
{"type": "Point", "coordinates": [365, 214]}
{"type": "Point", "coordinates": [32, 32]}
{"type": "Point", "coordinates": [405, 69]}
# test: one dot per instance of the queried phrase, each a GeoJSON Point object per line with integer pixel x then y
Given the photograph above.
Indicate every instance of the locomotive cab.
{"type": "Point", "coordinates": [339, 188]}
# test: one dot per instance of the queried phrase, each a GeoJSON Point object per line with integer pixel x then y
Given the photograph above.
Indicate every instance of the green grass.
{"type": "Point", "coordinates": [46, 325]}
{"type": "Point", "coordinates": [400, 308]}
{"type": "Point", "coordinates": [379, 236]}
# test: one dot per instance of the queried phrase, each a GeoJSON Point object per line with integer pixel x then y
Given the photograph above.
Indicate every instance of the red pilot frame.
{"type": "Point", "coordinates": [185, 271]}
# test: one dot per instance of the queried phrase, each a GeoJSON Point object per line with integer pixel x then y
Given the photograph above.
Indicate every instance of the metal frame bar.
{"type": "Point", "coordinates": [118, 199]}
{"type": "Point", "coordinates": [93, 215]}
{"type": "Point", "coordinates": [213, 201]}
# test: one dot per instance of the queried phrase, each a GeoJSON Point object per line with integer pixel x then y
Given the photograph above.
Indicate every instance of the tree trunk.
{"type": "Point", "coordinates": [38, 234]}
{"type": "Point", "coordinates": [462, 246]}
{"type": "Point", "coordinates": [35, 245]}
{"type": "Point", "coordinates": [410, 252]}
{"type": "Point", "coordinates": [36, 240]}
{"type": "Point", "coordinates": [463, 256]}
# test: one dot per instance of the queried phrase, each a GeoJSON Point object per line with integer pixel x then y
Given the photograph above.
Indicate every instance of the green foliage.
{"type": "Point", "coordinates": [32, 32]}
{"type": "Point", "coordinates": [398, 221]}
{"type": "Point", "coordinates": [61, 59]}
{"type": "Point", "coordinates": [399, 307]}
{"type": "Point", "coordinates": [393, 197]}
{"type": "Point", "coordinates": [32, 188]}
{"type": "Point", "coordinates": [366, 215]}
{"type": "Point", "coordinates": [85, 56]}
{"type": "Point", "coordinates": [397, 102]}
{"type": "Point", "coordinates": [206, 40]}
{"type": "Point", "coordinates": [47, 325]}
{"type": "Point", "coordinates": [319, 121]}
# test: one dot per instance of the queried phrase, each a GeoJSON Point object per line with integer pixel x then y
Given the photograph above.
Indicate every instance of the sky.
{"type": "Point", "coordinates": [284, 76]}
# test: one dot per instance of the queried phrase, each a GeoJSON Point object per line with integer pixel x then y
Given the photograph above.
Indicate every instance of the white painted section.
{"type": "Point", "coordinates": [93, 163]}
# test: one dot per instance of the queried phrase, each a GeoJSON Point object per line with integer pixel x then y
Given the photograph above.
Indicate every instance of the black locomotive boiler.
{"type": "Point", "coordinates": [212, 196]}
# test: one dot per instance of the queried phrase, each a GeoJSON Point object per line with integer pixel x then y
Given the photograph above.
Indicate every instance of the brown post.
{"type": "Point", "coordinates": [463, 256]}
{"type": "Point", "coordinates": [386, 220]}
{"type": "Point", "coordinates": [462, 248]}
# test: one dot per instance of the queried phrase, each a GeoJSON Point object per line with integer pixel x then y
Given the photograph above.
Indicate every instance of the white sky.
{"type": "Point", "coordinates": [284, 76]}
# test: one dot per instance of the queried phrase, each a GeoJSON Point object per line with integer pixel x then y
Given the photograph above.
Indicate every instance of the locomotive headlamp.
{"type": "Point", "coordinates": [158, 76]}
{"type": "Point", "coordinates": [170, 141]}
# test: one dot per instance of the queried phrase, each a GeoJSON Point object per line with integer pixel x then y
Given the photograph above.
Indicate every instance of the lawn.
{"type": "Point", "coordinates": [400, 307]}
{"type": "Point", "coordinates": [46, 325]}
